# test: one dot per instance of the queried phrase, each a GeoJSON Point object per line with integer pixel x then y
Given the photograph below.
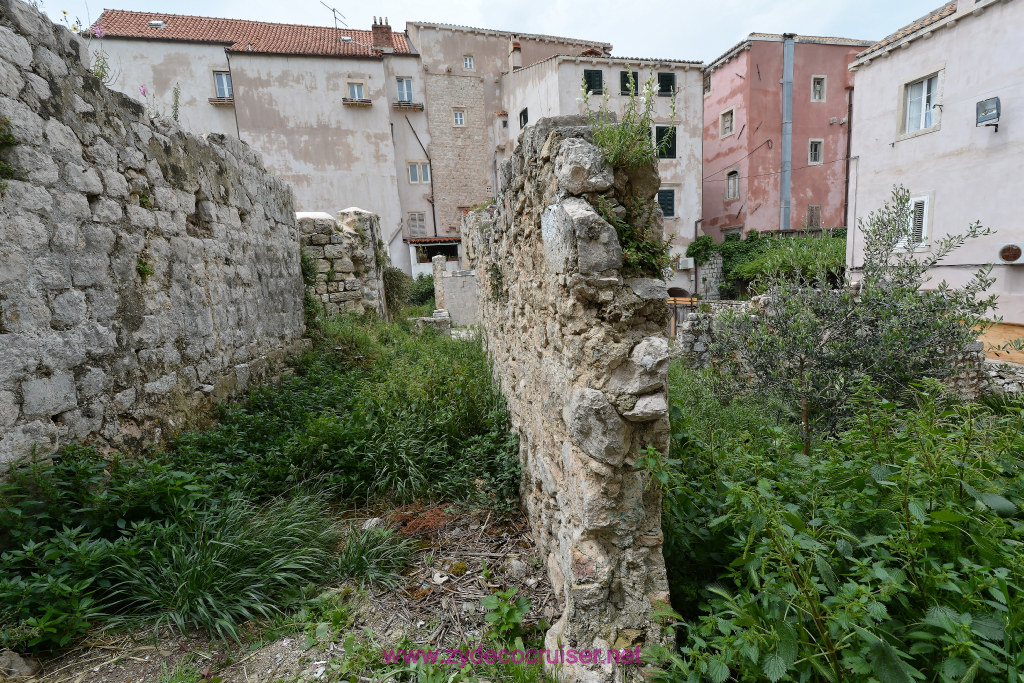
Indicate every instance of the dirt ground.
{"type": "Point", "coordinates": [464, 557]}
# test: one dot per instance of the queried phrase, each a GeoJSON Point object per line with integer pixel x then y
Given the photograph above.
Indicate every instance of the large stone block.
{"type": "Point", "coordinates": [49, 396]}
{"type": "Point", "coordinates": [580, 168]}
{"type": "Point", "coordinates": [595, 426]}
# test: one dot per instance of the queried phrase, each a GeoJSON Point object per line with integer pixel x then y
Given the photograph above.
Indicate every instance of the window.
{"type": "Point", "coordinates": [355, 91]}
{"type": "Point", "coordinates": [629, 82]}
{"type": "Point", "coordinates": [419, 172]}
{"type": "Point", "coordinates": [920, 100]}
{"type": "Point", "coordinates": [459, 118]}
{"type": "Point", "coordinates": [665, 139]}
{"type": "Point", "coordinates": [594, 81]}
{"type": "Point", "coordinates": [667, 202]}
{"type": "Point", "coordinates": [817, 88]}
{"type": "Point", "coordinates": [732, 231]}
{"type": "Point", "coordinates": [732, 185]}
{"type": "Point", "coordinates": [725, 123]}
{"type": "Point", "coordinates": [417, 224]}
{"type": "Point", "coordinates": [707, 84]}
{"type": "Point", "coordinates": [222, 80]}
{"type": "Point", "coordinates": [405, 90]}
{"type": "Point", "coordinates": [666, 85]}
{"type": "Point", "coordinates": [524, 117]}
{"type": "Point", "coordinates": [814, 152]}
{"type": "Point", "coordinates": [814, 216]}
{"type": "Point", "coordinates": [467, 63]}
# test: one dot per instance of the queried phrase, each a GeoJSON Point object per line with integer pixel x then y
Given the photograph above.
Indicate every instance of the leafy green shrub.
{"type": "Point", "coordinates": [892, 553]}
{"type": "Point", "coordinates": [811, 345]}
{"type": "Point", "coordinates": [798, 258]}
{"type": "Point", "coordinates": [375, 556]}
{"type": "Point", "coordinates": [421, 290]}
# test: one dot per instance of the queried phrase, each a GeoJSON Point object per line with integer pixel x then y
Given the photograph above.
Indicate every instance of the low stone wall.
{"type": "Point", "coordinates": [144, 272]}
{"type": "Point", "coordinates": [1002, 378]}
{"type": "Point", "coordinates": [580, 353]}
{"type": "Point", "coordinates": [350, 258]}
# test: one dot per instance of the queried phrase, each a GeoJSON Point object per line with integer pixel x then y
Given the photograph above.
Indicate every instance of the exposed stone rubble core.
{"type": "Point", "coordinates": [350, 258]}
{"type": "Point", "coordinates": [580, 353]}
{"type": "Point", "coordinates": [143, 271]}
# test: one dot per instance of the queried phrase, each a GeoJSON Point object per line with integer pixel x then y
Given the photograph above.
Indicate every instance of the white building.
{"type": "Point", "coordinates": [918, 122]}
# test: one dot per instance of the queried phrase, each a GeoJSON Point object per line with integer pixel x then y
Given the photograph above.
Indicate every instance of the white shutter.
{"type": "Point", "coordinates": [917, 220]}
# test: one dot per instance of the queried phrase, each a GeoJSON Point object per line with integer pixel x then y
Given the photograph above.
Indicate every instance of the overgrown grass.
{"type": "Point", "coordinates": [227, 524]}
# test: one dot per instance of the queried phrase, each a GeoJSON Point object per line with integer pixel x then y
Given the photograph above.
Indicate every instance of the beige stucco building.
{"type": "Point", "coordinates": [553, 86]}
{"type": "Point", "coordinates": [915, 123]}
{"type": "Point", "coordinates": [409, 125]}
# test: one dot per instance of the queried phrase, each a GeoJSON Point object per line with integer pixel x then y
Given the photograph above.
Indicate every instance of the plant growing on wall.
{"type": "Point", "coordinates": [93, 37]}
{"type": "Point", "coordinates": [629, 142]}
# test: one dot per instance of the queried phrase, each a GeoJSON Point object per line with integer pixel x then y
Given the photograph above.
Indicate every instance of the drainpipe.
{"type": "Point", "coordinates": [430, 165]}
{"type": "Point", "coordinates": [786, 182]}
{"type": "Point", "coordinates": [234, 103]}
{"type": "Point", "coordinates": [849, 148]}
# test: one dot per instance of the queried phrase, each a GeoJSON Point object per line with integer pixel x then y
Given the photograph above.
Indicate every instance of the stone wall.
{"type": "Point", "coordinates": [1004, 378]}
{"type": "Point", "coordinates": [144, 272]}
{"type": "Point", "coordinates": [580, 353]}
{"type": "Point", "coordinates": [349, 255]}
{"type": "Point", "coordinates": [710, 274]}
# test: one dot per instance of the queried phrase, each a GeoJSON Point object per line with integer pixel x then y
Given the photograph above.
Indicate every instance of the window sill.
{"type": "Point", "coordinates": [356, 102]}
{"type": "Point", "coordinates": [918, 133]}
{"type": "Point", "coordinates": [403, 104]}
{"type": "Point", "coordinates": [222, 101]}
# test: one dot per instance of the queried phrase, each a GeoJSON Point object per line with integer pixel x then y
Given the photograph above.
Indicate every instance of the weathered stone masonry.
{"type": "Point", "coordinates": [581, 356]}
{"type": "Point", "coordinates": [349, 255]}
{"type": "Point", "coordinates": [143, 271]}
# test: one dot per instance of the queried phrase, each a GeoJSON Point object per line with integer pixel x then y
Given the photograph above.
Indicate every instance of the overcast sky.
{"type": "Point", "coordinates": [683, 29]}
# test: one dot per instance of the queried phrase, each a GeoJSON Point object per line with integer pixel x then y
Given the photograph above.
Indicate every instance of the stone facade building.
{"type": "Point", "coordinates": [749, 103]}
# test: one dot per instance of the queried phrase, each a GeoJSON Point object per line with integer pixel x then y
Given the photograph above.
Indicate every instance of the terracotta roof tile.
{"type": "Point", "coordinates": [240, 35]}
{"type": "Point", "coordinates": [927, 20]}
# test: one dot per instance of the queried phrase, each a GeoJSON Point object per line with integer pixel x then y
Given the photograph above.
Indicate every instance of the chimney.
{"type": "Point", "coordinates": [382, 38]}
{"type": "Point", "coordinates": [515, 54]}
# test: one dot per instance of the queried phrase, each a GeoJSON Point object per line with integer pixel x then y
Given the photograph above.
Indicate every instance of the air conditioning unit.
{"type": "Point", "coordinates": [685, 263]}
{"type": "Point", "coordinates": [1011, 254]}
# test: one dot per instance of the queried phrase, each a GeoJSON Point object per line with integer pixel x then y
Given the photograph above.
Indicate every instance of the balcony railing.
{"type": "Point", "coordinates": [222, 101]}
{"type": "Point", "coordinates": [406, 104]}
{"type": "Point", "coordinates": [356, 101]}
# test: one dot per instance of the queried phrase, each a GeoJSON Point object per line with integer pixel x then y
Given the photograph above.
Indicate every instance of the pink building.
{"type": "Point", "coordinates": [756, 104]}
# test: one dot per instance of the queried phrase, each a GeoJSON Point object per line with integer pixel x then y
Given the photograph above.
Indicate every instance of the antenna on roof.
{"type": "Point", "coordinates": [336, 14]}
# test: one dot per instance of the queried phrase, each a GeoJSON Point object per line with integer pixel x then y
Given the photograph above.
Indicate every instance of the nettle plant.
{"type": "Point", "coordinates": [893, 554]}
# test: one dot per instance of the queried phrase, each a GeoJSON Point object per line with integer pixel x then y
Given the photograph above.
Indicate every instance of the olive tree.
{"type": "Point", "coordinates": [812, 344]}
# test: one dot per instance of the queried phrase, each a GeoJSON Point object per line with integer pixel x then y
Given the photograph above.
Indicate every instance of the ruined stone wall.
{"type": "Point", "coordinates": [349, 255]}
{"type": "Point", "coordinates": [144, 272]}
{"type": "Point", "coordinates": [580, 353]}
